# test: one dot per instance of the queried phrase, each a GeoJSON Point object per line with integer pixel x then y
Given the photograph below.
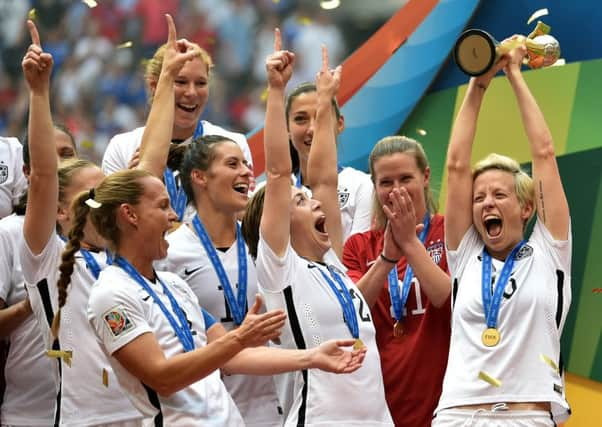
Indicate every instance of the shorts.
{"type": "Point", "coordinates": [488, 418]}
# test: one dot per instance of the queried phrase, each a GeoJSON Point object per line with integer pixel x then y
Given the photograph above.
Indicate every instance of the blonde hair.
{"type": "Point", "coordinates": [388, 146]}
{"type": "Point", "coordinates": [154, 65]}
{"type": "Point", "coordinates": [523, 183]}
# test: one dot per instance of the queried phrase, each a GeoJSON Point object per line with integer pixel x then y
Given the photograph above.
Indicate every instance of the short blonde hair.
{"type": "Point", "coordinates": [523, 183]}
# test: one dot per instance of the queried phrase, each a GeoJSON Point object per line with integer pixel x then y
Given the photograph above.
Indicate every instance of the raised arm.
{"type": "Point", "coordinates": [552, 206]}
{"type": "Point", "coordinates": [322, 174]}
{"type": "Point", "coordinates": [275, 219]}
{"type": "Point", "coordinates": [42, 203]}
{"type": "Point", "coordinates": [159, 124]}
{"type": "Point", "coordinates": [458, 214]}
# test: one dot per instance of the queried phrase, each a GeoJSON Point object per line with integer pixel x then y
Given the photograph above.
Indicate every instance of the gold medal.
{"type": "Point", "coordinates": [398, 329]}
{"type": "Point", "coordinates": [358, 344]}
{"type": "Point", "coordinates": [491, 337]}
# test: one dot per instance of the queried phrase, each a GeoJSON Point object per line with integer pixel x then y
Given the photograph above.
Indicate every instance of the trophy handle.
{"type": "Point", "coordinates": [475, 52]}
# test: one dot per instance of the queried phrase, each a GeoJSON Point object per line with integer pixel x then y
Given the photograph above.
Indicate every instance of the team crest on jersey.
{"type": "Point", "coordinates": [435, 251]}
{"type": "Point", "coordinates": [118, 321]}
{"type": "Point", "coordinates": [4, 173]}
{"type": "Point", "coordinates": [525, 252]}
{"type": "Point", "coordinates": [343, 196]}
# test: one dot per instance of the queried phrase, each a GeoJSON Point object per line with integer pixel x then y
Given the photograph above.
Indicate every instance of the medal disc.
{"type": "Point", "coordinates": [491, 337]}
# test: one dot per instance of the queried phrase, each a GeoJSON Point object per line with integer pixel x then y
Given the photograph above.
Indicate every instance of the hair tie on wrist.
{"type": "Point", "coordinates": [389, 260]}
{"type": "Point", "coordinates": [93, 204]}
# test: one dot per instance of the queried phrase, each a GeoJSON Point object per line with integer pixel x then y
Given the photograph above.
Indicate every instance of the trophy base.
{"type": "Point", "coordinates": [475, 52]}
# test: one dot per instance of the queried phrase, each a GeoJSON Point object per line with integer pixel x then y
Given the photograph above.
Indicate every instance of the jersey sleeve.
{"type": "Point", "coordinates": [457, 259]}
{"type": "Point", "coordinates": [362, 216]}
{"type": "Point", "coordinates": [274, 273]}
{"type": "Point", "coordinates": [6, 264]}
{"type": "Point", "coordinates": [113, 160]}
{"type": "Point", "coordinates": [116, 317]}
{"type": "Point", "coordinates": [42, 265]}
{"type": "Point", "coordinates": [559, 252]}
{"type": "Point", "coordinates": [354, 257]}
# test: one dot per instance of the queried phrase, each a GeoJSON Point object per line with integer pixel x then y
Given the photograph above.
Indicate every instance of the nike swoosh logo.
{"type": "Point", "coordinates": [146, 298]}
{"type": "Point", "coordinates": [189, 272]}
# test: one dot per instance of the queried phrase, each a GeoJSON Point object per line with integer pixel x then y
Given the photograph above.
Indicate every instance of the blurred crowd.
{"type": "Point", "coordinates": [98, 88]}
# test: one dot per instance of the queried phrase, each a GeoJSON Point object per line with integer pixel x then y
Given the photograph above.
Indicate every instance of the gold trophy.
{"type": "Point", "coordinates": [476, 51]}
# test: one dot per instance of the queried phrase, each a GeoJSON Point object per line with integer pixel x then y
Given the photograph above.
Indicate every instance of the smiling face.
{"type": "Point", "coordinates": [301, 122]}
{"type": "Point", "coordinates": [497, 213]}
{"type": "Point", "coordinates": [225, 184]}
{"type": "Point", "coordinates": [309, 236]}
{"type": "Point", "coordinates": [399, 170]}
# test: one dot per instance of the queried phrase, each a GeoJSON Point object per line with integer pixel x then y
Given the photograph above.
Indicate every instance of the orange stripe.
{"type": "Point", "coordinates": [365, 61]}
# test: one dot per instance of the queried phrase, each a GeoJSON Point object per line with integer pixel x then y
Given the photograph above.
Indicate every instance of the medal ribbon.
{"type": "Point", "coordinates": [491, 303]}
{"type": "Point", "coordinates": [177, 196]}
{"type": "Point", "coordinates": [344, 298]}
{"type": "Point", "coordinates": [398, 302]}
{"type": "Point", "coordinates": [92, 263]}
{"type": "Point", "coordinates": [237, 304]}
{"type": "Point", "coordinates": [180, 327]}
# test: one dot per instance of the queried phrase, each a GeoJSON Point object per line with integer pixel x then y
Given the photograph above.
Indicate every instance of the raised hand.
{"type": "Point", "coordinates": [36, 64]}
{"type": "Point", "coordinates": [401, 217]}
{"type": "Point", "coordinates": [516, 56]}
{"type": "Point", "coordinates": [177, 52]}
{"type": "Point", "coordinates": [257, 329]}
{"type": "Point", "coordinates": [330, 357]}
{"type": "Point", "coordinates": [328, 80]}
{"type": "Point", "coordinates": [279, 65]}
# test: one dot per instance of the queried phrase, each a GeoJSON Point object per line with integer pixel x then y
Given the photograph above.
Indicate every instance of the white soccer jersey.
{"type": "Point", "coordinates": [120, 310]}
{"type": "Point", "coordinates": [31, 377]}
{"type": "Point", "coordinates": [314, 316]}
{"type": "Point", "coordinates": [255, 396]}
{"type": "Point", "coordinates": [122, 147]}
{"type": "Point", "coordinates": [536, 300]}
{"type": "Point", "coordinates": [12, 180]}
{"type": "Point", "coordinates": [86, 398]}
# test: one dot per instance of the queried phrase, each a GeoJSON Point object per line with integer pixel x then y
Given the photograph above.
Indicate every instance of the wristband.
{"type": "Point", "coordinates": [389, 260]}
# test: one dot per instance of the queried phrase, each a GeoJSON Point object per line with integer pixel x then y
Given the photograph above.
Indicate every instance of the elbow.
{"type": "Point", "coordinates": [456, 165]}
{"type": "Point", "coordinates": [163, 388]}
{"type": "Point", "coordinates": [545, 148]}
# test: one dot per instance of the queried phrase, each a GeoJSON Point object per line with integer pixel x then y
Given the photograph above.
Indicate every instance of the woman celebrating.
{"type": "Point", "coordinates": [411, 312]}
{"type": "Point", "coordinates": [299, 271]}
{"type": "Point", "coordinates": [512, 294]}
{"type": "Point", "coordinates": [354, 190]}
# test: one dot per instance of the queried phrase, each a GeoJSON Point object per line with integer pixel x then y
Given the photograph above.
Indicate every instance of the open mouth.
{"type": "Point", "coordinates": [188, 108]}
{"type": "Point", "coordinates": [320, 224]}
{"type": "Point", "coordinates": [241, 188]}
{"type": "Point", "coordinates": [493, 225]}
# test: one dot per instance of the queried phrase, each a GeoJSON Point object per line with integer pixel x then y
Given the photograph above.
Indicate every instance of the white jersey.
{"type": "Point", "coordinates": [314, 316]}
{"type": "Point", "coordinates": [533, 310]}
{"type": "Point", "coordinates": [12, 180]}
{"type": "Point", "coordinates": [120, 310]}
{"type": "Point", "coordinates": [122, 147]}
{"type": "Point", "coordinates": [31, 377]}
{"type": "Point", "coordinates": [90, 393]}
{"type": "Point", "coordinates": [255, 396]}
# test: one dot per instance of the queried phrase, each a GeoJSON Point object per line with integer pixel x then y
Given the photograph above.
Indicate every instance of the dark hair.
{"type": "Point", "coordinates": [252, 220]}
{"type": "Point", "coordinates": [299, 90]}
{"type": "Point", "coordinates": [57, 126]}
{"type": "Point", "coordinates": [199, 154]}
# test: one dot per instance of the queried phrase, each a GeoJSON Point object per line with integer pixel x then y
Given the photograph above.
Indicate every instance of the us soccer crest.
{"type": "Point", "coordinates": [4, 174]}
{"type": "Point", "coordinates": [343, 196]}
{"type": "Point", "coordinates": [435, 251]}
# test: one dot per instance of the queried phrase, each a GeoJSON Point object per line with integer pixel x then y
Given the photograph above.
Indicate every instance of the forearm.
{"type": "Point", "coordinates": [40, 135]}
{"type": "Point", "coordinates": [371, 284]}
{"type": "Point", "coordinates": [157, 134]}
{"type": "Point", "coordinates": [268, 361]}
{"type": "Point", "coordinates": [12, 317]}
{"type": "Point", "coordinates": [277, 155]}
{"type": "Point", "coordinates": [322, 160]}
{"type": "Point", "coordinates": [434, 281]}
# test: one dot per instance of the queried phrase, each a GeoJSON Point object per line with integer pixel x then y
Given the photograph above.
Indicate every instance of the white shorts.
{"type": "Point", "coordinates": [486, 418]}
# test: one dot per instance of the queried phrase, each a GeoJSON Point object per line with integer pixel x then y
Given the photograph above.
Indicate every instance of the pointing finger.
{"type": "Point", "coordinates": [324, 58]}
{"type": "Point", "coordinates": [33, 32]}
{"type": "Point", "coordinates": [277, 40]}
{"type": "Point", "coordinates": [171, 29]}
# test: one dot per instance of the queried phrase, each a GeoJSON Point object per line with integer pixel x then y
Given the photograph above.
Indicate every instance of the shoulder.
{"type": "Point", "coordinates": [10, 143]}
{"type": "Point", "coordinates": [211, 129]}
{"type": "Point", "coordinates": [12, 226]}
{"type": "Point", "coordinates": [126, 139]}
{"type": "Point", "coordinates": [349, 174]}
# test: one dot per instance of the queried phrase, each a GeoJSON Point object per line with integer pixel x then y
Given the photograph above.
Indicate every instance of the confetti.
{"type": "Point", "coordinates": [549, 361]}
{"type": "Point", "coordinates": [125, 45]}
{"type": "Point", "coordinates": [105, 377]}
{"type": "Point", "coordinates": [559, 63]}
{"type": "Point", "coordinates": [32, 14]}
{"type": "Point", "coordinates": [330, 4]}
{"type": "Point", "coordinates": [66, 355]}
{"type": "Point", "coordinates": [304, 20]}
{"type": "Point", "coordinates": [264, 95]}
{"type": "Point", "coordinates": [421, 132]}
{"type": "Point", "coordinates": [488, 378]}
{"type": "Point", "coordinates": [537, 14]}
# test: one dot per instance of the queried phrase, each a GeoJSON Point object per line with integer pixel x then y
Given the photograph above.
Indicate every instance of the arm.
{"type": "Point", "coordinates": [143, 357]}
{"type": "Point", "coordinates": [12, 317]}
{"type": "Point", "coordinates": [43, 180]}
{"type": "Point", "coordinates": [552, 206]}
{"type": "Point", "coordinates": [322, 174]}
{"type": "Point", "coordinates": [275, 219]}
{"type": "Point", "coordinates": [159, 125]}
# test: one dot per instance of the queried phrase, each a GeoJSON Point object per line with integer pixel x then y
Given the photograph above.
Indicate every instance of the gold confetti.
{"type": "Point", "coordinates": [421, 132]}
{"type": "Point", "coordinates": [488, 378]}
{"type": "Point", "coordinates": [549, 361]}
{"type": "Point", "coordinates": [86, 143]}
{"type": "Point", "coordinates": [304, 20]}
{"type": "Point", "coordinates": [32, 14]}
{"type": "Point", "coordinates": [90, 3]}
{"type": "Point", "coordinates": [537, 14]}
{"type": "Point", "coordinates": [264, 95]}
{"type": "Point", "coordinates": [66, 355]}
{"type": "Point", "coordinates": [125, 45]}
{"type": "Point", "coordinates": [105, 377]}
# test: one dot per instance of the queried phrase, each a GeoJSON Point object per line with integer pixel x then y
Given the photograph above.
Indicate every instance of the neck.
{"type": "Point", "coordinates": [220, 225]}
{"type": "Point", "coordinates": [139, 261]}
{"type": "Point", "coordinates": [502, 254]}
{"type": "Point", "coordinates": [182, 133]}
